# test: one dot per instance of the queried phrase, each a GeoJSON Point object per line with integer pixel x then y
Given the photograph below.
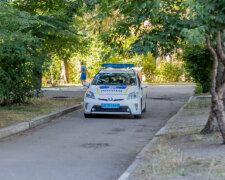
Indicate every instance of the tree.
{"type": "Point", "coordinates": [20, 54]}
{"type": "Point", "coordinates": [65, 36]}
{"type": "Point", "coordinates": [158, 26]}
{"type": "Point", "coordinates": [212, 23]}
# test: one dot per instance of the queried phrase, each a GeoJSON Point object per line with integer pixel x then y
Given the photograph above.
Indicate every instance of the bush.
{"type": "Point", "coordinates": [198, 64]}
{"type": "Point", "coordinates": [149, 67]}
{"type": "Point", "coordinates": [20, 56]}
{"type": "Point", "coordinates": [198, 89]}
{"type": "Point", "coordinates": [169, 72]}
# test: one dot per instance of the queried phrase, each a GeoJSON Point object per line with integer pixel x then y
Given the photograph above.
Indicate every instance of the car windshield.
{"type": "Point", "coordinates": [114, 79]}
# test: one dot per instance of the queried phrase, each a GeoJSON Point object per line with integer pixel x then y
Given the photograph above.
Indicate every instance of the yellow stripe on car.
{"type": "Point", "coordinates": [127, 90]}
{"type": "Point", "coordinates": [97, 90]}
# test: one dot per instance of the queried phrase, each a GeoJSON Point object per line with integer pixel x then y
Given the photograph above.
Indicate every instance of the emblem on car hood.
{"type": "Point", "coordinates": [110, 99]}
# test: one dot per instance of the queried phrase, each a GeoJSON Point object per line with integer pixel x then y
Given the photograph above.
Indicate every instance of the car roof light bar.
{"type": "Point", "coordinates": [117, 65]}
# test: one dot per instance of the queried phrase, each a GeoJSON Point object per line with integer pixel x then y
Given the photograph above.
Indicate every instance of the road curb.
{"type": "Point", "coordinates": [14, 129]}
{"type": "Point", "coordinates": [46, 118]}
{"type": "Point", "coordinates": [171, 84]}
{"type": "Point", "coordinates": [150, 144]}
{"type": "Point", "coordinates": [4, 132]}
{"type": "Point", "coordinates": [162, 131]}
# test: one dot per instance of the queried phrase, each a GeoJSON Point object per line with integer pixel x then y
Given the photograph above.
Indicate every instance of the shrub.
{"type": "Point", "coordinates": [20, 56]}
{"type": "Point", "coordinates": [169, 72]}
{"type": "Point", "coordinates": [198, 64]}
{"type": "Point", "coordinates": [149, 67]}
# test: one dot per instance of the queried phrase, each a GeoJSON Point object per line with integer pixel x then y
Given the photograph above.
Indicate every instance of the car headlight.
{"type": "Point", "coordinates": [133, 95]}
{"type": "Point", "coordinates": [90, 94]}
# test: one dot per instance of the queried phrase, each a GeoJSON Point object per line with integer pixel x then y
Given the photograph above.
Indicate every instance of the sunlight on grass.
{"type": "Point", "coordinates": [165, 161]}
{"type": "Point", "coordinates": [36, 107]}
{"type": "Point", "coordinates": [162, 161]}
{"type": "Point", "coordinates": [200, 103]}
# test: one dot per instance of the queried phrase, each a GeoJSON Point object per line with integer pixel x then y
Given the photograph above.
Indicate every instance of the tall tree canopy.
{"type": "Point", "coordinates": [31, 33]}
{"type": "Point", "coordinates": [66, 36]}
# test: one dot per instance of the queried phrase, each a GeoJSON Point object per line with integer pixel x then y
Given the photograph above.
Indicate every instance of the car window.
{"type": "Point", "coordinates": [114, 79]}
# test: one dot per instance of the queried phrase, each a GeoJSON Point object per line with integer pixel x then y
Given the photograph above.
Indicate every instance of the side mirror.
{"type": "Point", "coordinates": [87, 84]}
{"type": "Point", "coordinates": [143, 85]}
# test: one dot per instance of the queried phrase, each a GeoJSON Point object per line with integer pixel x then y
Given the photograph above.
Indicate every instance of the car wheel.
{"type": "Point", "coordinates": [144, 110]}
{"type": "Point", "coordinates": [87, 115]}
{"type": "Point", "coordinates": [138, 116]}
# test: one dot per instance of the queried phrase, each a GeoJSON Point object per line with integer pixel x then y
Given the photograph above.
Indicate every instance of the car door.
{"type": "Point", "coordinates": [143, 88]}
{"type": "Point", "coordinates": [143, 99]}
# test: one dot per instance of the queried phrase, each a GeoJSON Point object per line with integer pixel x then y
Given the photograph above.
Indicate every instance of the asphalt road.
{"type": "Point", "coordinates": [100, 148]}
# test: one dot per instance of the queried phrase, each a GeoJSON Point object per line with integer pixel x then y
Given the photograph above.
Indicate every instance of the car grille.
{"type": "Point", "coordinates": [100, 109]}
{"type": "Point", "coordinates": [101, 99]}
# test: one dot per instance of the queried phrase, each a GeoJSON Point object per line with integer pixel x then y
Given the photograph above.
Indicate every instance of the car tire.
{"type": "Point", "coordinates": [87, 115]}
{"type": "Point", "coordinates": [144, 110]}
{"type": "Point", "coordinates": [138, 116]}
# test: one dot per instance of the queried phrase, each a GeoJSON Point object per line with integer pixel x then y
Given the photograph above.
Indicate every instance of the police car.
{"type": "Point", "coordinates": [116, 89]}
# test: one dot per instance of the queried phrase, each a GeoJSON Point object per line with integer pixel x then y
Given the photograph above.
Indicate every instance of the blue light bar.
{"type": "Point", "coordinates": [117, 65]}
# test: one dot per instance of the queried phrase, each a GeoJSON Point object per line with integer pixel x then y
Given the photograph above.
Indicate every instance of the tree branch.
{"type": "Point", "coordinates": [215, 65]}
{"type": "Point", "coordinates": [219, 48]}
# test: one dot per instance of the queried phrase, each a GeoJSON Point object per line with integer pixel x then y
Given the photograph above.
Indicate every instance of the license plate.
{"type": "Point", "coordinates": [110, 105]}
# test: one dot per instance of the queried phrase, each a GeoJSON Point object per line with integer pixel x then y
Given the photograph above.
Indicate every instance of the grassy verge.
{"type": "Point", "coordinates": [162, 161]}
{"type": "Point", "coordinates": [167, 161]}
{"type": "Point", "coordinates": [199, 103]}
{"type": "Point", "coordinates": [38, 106]}
{"type": "Point", "coordinates": [185, 153]}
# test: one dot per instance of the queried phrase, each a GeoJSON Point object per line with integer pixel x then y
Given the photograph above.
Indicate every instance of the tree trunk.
{"type": "Point", "coordinates": [220, 116]}
{"type": "Point", "coordinates": [38, 81]}
{"type": "Point", "coordinates": [64, 74]}
{"type": "Point", "coordinates": [212, 125]}
{"type": "Point", "coordinates": [217, 92]}
{"type": "Point", "coordinates": [67, 71]}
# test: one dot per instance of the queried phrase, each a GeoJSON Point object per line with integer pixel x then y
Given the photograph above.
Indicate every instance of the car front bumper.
{"type": "Point", "coordinates": [93, 106]}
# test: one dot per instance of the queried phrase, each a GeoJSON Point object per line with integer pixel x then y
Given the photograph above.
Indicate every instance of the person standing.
{"type": "Point", "coordinates": [83, 71]}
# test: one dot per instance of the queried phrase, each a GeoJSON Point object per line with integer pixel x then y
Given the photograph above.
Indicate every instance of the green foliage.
{"type": "Point", "coordinates": [198, 63]}
{"type": "Point", "coordinates": [91, 59]}
{"type": "Point", "coordinates": [160, 26]}
{"type": "Point", "coordinates": [149, 67]}
{"type": "Point", "coordinates": [64, 37]}
{"type": "Point", "coordinates": [155, 25]}
{"type": "Point", "coordinates": [198, 89]}
{"type": "Point", "coordinates": [169, 72]}
{"type": "Point", "coordinates": [30, 33]}
{"type": "Point", "coordinates": [20, 54]}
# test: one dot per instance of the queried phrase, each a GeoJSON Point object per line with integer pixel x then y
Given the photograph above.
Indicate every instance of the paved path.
{"type": "Point", "coordinates": [99, 148]}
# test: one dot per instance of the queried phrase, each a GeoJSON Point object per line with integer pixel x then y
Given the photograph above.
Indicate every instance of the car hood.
{"type": "Point", "coordinates": [112, 90]}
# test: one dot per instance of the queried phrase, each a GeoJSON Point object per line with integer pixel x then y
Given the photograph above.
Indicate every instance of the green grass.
{"type": "Point", "coordinates": [199, 103]}
{"type": "Point", "coordinates": [14, 114]}
{"type": "Point", "coordinates": [217, 170]}
{"type": "Point", "coordinates": [162, 161]}
{"type": "Point", "coordinates": [167, 161]}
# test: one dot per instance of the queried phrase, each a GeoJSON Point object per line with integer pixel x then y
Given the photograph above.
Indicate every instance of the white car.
{"type": "Point", "coordinates": [117, 90]}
